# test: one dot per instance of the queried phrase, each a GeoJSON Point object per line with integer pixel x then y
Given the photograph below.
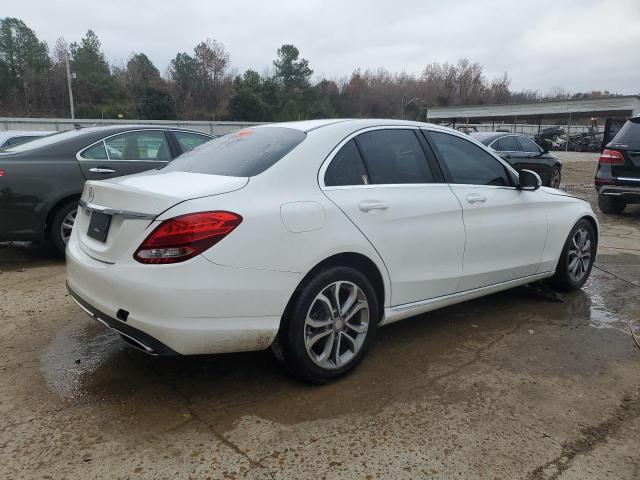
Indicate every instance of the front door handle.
{"type": "Point", "coordinates": [475, 198]}
{"type": "Point", "coordinates": [368, 205]}
{"type": "Point", "coordinates": [101, 170]}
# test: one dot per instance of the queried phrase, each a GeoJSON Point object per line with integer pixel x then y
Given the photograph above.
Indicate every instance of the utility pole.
{"type": "Point", "coordinates": [66, 61]}
{"type": "Point", "coordinates": [405, 105]}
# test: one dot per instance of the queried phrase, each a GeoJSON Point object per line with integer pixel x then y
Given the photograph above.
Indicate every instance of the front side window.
{"type": "Point", "coordinates": [141, 145]}
{"type": "Point", "coordinates": [506, 144]}
{"type": "Point", "coordinates": [244, 153]}
{"type": "Point", "coordinates": [528, 146]}
{"type": "Point", "coordinates": [188, 141]}
{"type": "Point", "coordinates": [346, 168]}
{"type": "Point", "coordinates": [394, 156]}
{"type": "Point", "coordinates": [466, 162]}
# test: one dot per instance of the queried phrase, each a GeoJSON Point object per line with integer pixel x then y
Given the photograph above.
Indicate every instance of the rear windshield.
{"type": "Point", "coordinates": [239, 154]}
{"type": "Point", "coordinates": [629, 133]}
{"type": "Point", "coordinates": [43, 141]}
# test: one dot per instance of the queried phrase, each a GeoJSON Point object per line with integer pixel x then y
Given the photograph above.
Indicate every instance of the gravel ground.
{"type": "Point", "coordinates": [515, 385]}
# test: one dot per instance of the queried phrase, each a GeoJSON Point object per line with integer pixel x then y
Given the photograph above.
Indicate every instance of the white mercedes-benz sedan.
{"type": "Point", "coordinates": [308, 236]}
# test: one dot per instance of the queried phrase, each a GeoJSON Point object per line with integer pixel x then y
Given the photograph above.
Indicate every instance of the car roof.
{"type": "Point", "coordinates": [488, 137]}
{"type": "Point", "coordinates": [348, 123]}
{"type": "Point", "coordinates": [134, 126]}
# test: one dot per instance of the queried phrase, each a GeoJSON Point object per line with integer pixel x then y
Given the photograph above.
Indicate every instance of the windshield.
{"type": "Point", "coordinates": [42, 142]}
{"type": "Point", "coordinates": [239, 154]}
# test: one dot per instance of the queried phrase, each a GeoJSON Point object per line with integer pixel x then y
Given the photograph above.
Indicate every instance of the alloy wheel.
{"type": "Point", "coordinates": [554, 181]}
{"type": "Point", "coordinates": [67, 225]}
{"type": "Point", "coordinates": [336, 325]}
{"type": "Point", "coordinates": [579, 257]}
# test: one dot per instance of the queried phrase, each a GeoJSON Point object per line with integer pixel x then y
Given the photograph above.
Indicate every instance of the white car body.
{"type": "Point", "coordinates": [433, 244]}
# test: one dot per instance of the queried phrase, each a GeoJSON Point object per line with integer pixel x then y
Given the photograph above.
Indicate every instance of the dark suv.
{"type": "Point", "coordinates": [618, 176]}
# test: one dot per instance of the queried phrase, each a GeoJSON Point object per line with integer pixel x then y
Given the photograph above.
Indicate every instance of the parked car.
{"type": "Point", "coordinates": [11, 138]}
{"type": "Point", "coordinates": [307, 236]}
{"type": "Point", "coordinates": [551, 138]}
{"type": "Point", "coordinates": [521, 152]}
{"type": "Point", "coordinates": [618, 176]}
{"type": "Point", "coordinates": [41, 181]}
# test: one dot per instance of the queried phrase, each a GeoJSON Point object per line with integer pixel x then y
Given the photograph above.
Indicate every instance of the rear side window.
{"type": "Point", "coordinates": [506, 144]}
{"type": "Point", "coordinates": [189, 141]}
{"type": "Point", "coordinates": [629, 133]}
{"type": "Point", "coordinates": [346, 168]}
{"type": "Point", "coordinates": [394, 156]}
{"type": "Point", "coordinates": [528, 146]}
{"type": "Point", "coordinates": [97, 152]}
{"type": "Point", "coordinates": [240, 154]}
{"type": "Point", "coordinates": [466, 162]}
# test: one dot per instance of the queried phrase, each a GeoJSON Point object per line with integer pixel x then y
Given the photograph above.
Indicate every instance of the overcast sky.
{"type": "Point", "coordinates": [577, 45]}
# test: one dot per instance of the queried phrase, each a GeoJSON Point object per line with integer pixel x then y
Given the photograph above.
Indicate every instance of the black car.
{"type": "Point", "coordinates": [41, 181]}
{"type": "Point", "coordinates": [523, 153]}
{"type": "Point", "coordinates": [618, 176]}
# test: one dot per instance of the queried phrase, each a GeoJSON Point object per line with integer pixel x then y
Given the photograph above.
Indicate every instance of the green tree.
{"type": "Point", "coordinates": [94, 87]}
{"type": "Point", "coordinates": [254, 98]}
{"type": "Point", "coordinates": [293, 76]}
{"type": "Point", "coordinates": [24, 64]}
{"type": "Point", "coordinates": [183, 73]}
{"type": "Point", "coordinates": [147, 90]}
{"type": "Point", "coordinates": [291, 71]}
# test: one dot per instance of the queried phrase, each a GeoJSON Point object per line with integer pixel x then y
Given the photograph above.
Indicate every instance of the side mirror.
{"type": "Point", "coordinates": [529, 180]}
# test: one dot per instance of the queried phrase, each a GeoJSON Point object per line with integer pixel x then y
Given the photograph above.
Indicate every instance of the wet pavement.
{"type": "Point", "coordinates": [515, 385]}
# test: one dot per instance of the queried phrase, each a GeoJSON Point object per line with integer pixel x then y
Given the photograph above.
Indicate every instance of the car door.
{"type": "Point", "coordinates": [505, 227]}
{"type": "Point", "coordinates": [381, 179]}
{"type": "Point", "coordinates": [125, 153]}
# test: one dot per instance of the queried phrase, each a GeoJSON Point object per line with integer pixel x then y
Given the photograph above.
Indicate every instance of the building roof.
{"type": "Point", "coordinates": [625, 105]}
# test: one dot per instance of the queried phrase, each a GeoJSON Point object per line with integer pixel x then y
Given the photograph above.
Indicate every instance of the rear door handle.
{"type": "Point", "coordinates": [101, 170]}
{"type": "Point", "coordinates": [368, 205]}
{"type": "Point", "coordinates": [475, 198]}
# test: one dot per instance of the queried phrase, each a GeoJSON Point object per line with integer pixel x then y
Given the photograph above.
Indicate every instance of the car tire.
{"type": "Point", "coordinates": [555, 177]}
{"type": "Point", "coordinates": [576, 259]}
{"type": "Point", "coordinates": [59, 230]}
{"type": "Point", "coordinates": [609, 204]}
{"type": "Point", "coordinates": [318, 343]}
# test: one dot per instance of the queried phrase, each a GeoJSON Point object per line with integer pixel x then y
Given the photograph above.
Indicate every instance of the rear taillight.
{"type": "Point", "coordinates": [1, 173]}
{"type": "Point", "coordinates": [181, 238]}
{"type": "Point", "coordinates": [611, 156]}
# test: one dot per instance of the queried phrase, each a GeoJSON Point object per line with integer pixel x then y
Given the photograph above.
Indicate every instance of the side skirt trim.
{"type": "Point", "coordinates": [400, 312]}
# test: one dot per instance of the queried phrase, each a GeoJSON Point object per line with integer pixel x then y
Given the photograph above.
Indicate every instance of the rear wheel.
{"type": "Point", "coordinates": [62, 224]}
{"type": "Point", "coordinates": [609, 204]}
{"type": "Point", "coordinates": [576, 260]}
{"type": "Point", "coordinates": [329, 326]}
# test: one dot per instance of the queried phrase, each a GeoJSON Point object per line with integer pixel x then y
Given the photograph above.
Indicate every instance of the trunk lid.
{"type": "Point", "coordinates": [123, 208]}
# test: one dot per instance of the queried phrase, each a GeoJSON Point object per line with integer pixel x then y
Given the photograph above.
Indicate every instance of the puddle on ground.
{"type": "Point", "coordinates": [221, 389]}
{"type": "Point", "coordinates": [74, 355]}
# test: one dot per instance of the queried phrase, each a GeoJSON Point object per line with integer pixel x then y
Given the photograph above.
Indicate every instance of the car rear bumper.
{"type": "Point", "coordinates": [629, 194]}
{"type": "Point", "coordinates": [194, 307]}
